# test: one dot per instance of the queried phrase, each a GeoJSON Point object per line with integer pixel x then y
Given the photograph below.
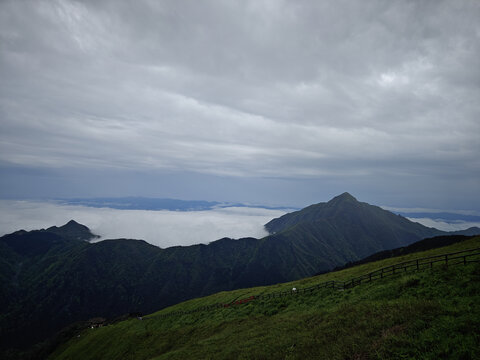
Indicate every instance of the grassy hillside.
{"type": "Point", "coordinates": [431, 314]}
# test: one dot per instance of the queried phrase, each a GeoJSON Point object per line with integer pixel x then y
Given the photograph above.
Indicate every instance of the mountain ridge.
{"type": "Point", "coordinates": [61, 281]}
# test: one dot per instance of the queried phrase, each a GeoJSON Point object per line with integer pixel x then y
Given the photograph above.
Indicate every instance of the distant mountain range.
{"type": "Point", "coordinates": [442, 216]}
{"type": "Point", "coordinates": [51, 278]}
{"type": "Point", "coordinates": [141, 203]}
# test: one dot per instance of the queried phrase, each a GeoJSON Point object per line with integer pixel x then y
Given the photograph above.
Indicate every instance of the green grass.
{"type": "Point", "coordinates": [432, 314]}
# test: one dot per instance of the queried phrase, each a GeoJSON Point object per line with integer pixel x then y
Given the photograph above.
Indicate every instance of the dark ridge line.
{"type": "Point", "coordinates": [422, 245]}
{"type": "Point", "coordinates": [381, 273]}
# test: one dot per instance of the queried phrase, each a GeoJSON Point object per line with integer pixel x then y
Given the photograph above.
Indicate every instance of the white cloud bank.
{"type": "Point", "coordinates": [161, 228]}
{"type": "Point", "coordinates": [444, 225]}
{"type": "Point", "coordinates": [428, 210]}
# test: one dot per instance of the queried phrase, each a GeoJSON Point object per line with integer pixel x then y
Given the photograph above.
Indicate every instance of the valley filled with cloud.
{"type": "Point", "coordinates": [161, 227]}
{"type": "Point", "coordinates": [166, 228]}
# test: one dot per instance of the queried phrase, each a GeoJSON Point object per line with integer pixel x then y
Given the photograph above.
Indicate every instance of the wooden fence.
{"type": "Point", "coordinates": [450, 259]}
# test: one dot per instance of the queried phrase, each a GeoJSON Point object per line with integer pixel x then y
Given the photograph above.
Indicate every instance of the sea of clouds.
{"type": "Point", "coordinates": [444, 225]}
{"type": "Point", "coordinates": [162, 228]}
{"type": "Point", "coordinates": [446, 220]}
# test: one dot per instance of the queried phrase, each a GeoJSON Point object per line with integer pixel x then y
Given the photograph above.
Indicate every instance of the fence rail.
{"type": "Point", "coordinates": [456, 258]}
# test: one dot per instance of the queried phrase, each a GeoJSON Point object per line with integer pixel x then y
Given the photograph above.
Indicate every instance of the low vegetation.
{"type": "Point", "coordinates": [430, 314]}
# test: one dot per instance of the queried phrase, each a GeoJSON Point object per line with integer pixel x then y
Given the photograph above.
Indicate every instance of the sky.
{"type": "Point", "coordinates": [282, 103]}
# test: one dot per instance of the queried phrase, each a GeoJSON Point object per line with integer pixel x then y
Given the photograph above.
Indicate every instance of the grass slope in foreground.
{"type": "Point", "coordinates": [431, 314]}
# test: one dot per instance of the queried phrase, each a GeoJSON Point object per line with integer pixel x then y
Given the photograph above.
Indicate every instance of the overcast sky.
{"type": "Point", "coordinates": [272, 102]}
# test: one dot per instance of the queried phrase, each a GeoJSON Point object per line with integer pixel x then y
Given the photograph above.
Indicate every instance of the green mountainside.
{"type": "Point", "coordinates": [345, 212]}
{"type": "Point", "coordinates": [52, 278]}
{"type": "Point", "coordinates": [428, 314]}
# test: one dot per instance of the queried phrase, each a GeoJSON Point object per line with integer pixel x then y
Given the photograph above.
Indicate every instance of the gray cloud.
{"type": "Point", "coordinates": [366, 90]}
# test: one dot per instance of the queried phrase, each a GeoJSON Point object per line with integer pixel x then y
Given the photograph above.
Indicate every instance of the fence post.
{"type": "Point", "coordinates": [465, 260]}
{"type": "Point", "coordinates": [381, 274]}
{"type": "Point", "coordinates": [417, 264]}
{"type": "Point", "coordinates": [446, 260]}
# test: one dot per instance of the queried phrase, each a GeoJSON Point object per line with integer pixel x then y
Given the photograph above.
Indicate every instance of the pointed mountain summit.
{"type": "Point", "coordinates": [337, 206]}
{"type": "Point", "coordinates": [37, 242]}
{"type": "Point", "coordinates": [73, 231]}
{"type": "Point", "coordinates": [73, 223]}
{"type": "Point", "coordinates": [342, 199]}
{"type": "Point", "coordinates": [354, 227]}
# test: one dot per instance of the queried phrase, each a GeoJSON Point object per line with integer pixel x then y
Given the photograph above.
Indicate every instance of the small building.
{"type": "Point", "coordinates": [97, 322]}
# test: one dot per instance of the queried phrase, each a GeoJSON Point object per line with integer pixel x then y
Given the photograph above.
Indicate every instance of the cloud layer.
{"type": "Point", "coordinates": [444, 225]}
{"type": "Point", "coordinates": [161, 228]}
{"type": "Point", "coordinates": [369, 91]}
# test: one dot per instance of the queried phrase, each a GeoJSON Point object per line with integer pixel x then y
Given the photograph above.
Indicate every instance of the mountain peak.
{"type": "Point", "coordinates": [345, 197]}
{"type": "Point", "coordinates": [73, 230]}
{"type": "Point", "coordinates": [72, 223]}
